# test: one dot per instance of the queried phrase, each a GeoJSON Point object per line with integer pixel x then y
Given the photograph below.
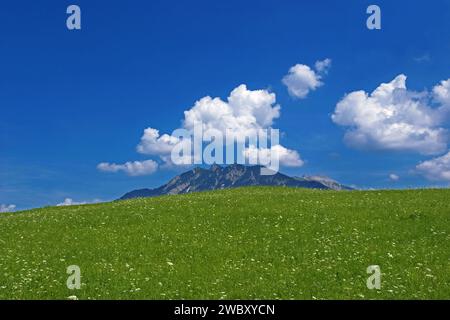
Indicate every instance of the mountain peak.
{"type": "Point", "coordinates": [215, 167]}
{"type": "Point", "coordinates": [231, 176]}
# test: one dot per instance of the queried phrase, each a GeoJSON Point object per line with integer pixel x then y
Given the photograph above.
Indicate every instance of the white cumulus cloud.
{"type": "Point", "coordinates": [242, 114]}
{"type": "Point", "coordinates": [71, 202]}
{"type": "Point", "coordinates": [153, 143]}
{"type": "Point", "coordinates": [301, 79]}
{"type": "Point", "coordinates": [394, 118]}
{"type": "Point", "coordinates": [244, 111]}
{"type": "Point", "coordinates": [323, 66]}
{"type": "Point", "coordinates": [134, 168]}
{"type": "Point", "coordinates": [394, 177]}
{"type": "Point", "coordinates": [442, 92]}
{"type": "Point", "coordinates": [7, 208]}
{"type": "Point", "coordinates": [437, 169]}
{"type": "Point", "coordinates": [287, 157]}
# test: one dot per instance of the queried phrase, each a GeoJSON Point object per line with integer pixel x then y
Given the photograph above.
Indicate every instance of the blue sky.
{"type": "Point", "coordinates": [72, 99]}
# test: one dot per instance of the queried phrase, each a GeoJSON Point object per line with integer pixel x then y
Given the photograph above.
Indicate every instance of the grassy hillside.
{"type": "Point", "coordinates": [266, 243]}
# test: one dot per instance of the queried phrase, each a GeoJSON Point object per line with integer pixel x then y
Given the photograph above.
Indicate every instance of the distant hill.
{"type": "Point", "coordinates": [232, 176]}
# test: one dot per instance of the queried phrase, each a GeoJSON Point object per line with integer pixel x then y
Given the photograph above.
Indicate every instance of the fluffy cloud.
{"type": "Point", "coordinates": [394, 177]}
{"type": "Point", "coordinates": [7, 208]}
{"type": "Point", "coordinates": [437, 169]}
{"type": "Point", "coordinates": [394, 118]}
{"type": "Point", "coordinates": [69, 202]}
{"type": "Point", "coordinates": [153, 143]}
{"type": "Point", "coordinates": [242, 114]}
{"type": "Point", "coordinates": [301, 79]}
{"type": "Point", "coordinates": [288, 158]}
{"type": "Point", "coordinates": [244, 110]}
{"type": "Point", "coordinates": [135, 168]}
{"type": "Point", "coordinates": [442, 92]}
{"type": "Point", "coordinates": [323, 66]}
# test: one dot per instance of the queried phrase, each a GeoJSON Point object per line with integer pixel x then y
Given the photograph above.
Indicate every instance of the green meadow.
{"type": "Point", "coordinates": [247, 243]}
